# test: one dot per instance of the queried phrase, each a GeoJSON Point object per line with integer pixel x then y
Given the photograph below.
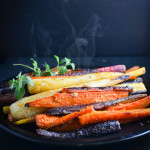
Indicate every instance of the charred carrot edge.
{"type": "Point", "coordinates": [95, 89]}
{"type": "Point", "coordinates": [71, 72]}
{"type": "Point", "coordinates": [142, 103]}
{"type": "Point", "coordinates": [98, 116]}
{"type": "Point", "coordinates": [10, 118]}
{"type": "Point", "coordinates": [138, 87]}
{"type": "Point", "coordinates": [68, 99]}
{"type": "Point", "coordinates": [132, 69]}
{"type": "Point", "coordinates": [137, 80]}
{"type": "Point", "coordinates": [46, 121]}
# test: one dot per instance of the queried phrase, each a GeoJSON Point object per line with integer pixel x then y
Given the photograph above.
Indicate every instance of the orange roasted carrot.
{"type": "Point", "coordinates": [132, 69]}
{"type": "Point", "coordinates": [11, 118]}
{"type": "Point", "coordinates": [75, 124]}
{"type": "Point", "coordinates": [42, 120]}
{"type": "Point", "coordinates": [68, 126]}
{"type": "Point", "coordinates": [46, 121]}
{"type": "Point", "coordinates": [67, 99]}
{"type": "Point", "coordinates": [99, 116]}
{"type": "Point", "coordinates": [142, 103]}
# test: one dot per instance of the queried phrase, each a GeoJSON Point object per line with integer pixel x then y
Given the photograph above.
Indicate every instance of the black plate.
{"type": "Point", "coordinates": [128, 131]}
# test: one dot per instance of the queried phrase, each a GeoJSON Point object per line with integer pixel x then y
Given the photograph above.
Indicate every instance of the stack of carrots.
{"type": "Point", "coordinates": [103, 97]}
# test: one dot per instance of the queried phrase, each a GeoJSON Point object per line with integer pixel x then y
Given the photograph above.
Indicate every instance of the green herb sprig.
{"type": "Point", "coordinates": [36, 70]}
{"type": "Point", "coordinates": [21, 80]}
{"type": "Point", "coordinates": [19, 84]}
{"type": "Point", "coordinates": [66, 62]}
{"type": "Point", "coordinates": [61, 65]}
{"type": "Point", "coordinates": [48, 71]}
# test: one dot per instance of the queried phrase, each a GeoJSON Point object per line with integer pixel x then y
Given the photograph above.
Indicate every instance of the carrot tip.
{"type": "Point", "coordinates": [132, 77]}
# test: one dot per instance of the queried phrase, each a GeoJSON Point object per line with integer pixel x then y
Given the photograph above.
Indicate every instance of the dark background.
{"type": "Point", "coordinates": [114, 31]}
{"type": "Point", "coordinates": [75, 28]}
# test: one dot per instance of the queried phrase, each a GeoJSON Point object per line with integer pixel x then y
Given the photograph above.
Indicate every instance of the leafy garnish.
{"type": "Point", "coordinates": [48, 71]}
{"type": "Point", "coordinates": [19, 84]}
{"type": "Point", "coordinates": [66, 62]}
{"type": "Point", "coordinates": [22, 80]}
{"type": "Point", "coordinates": [61, 65]}
{"type": "Point", "coordinates": [36, 70]}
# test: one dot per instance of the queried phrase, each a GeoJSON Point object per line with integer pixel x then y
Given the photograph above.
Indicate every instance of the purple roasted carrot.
{"type": "Point", "coordinates": [117, 68]}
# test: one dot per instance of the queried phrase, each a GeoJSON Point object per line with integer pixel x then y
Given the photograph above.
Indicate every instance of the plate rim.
{"type": "Point", "coordinates": [126, 137]}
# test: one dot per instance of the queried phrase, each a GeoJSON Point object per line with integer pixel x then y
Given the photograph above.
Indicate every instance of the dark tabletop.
{"type": "Point", "coordinates": [10, 142]}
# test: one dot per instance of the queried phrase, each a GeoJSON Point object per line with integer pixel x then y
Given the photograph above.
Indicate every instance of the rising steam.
{"type": "Point", "coordinates": [79, 43]}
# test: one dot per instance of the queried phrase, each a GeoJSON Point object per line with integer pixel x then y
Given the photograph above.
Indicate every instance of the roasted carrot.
{"type": "Point", "coordinates": [67, 99]}
{"type": "Point", "coordinates": [10, 118]}
{"type": "Point", "coordinates": [68, 126]}
{"type": "Point", "coordinates": [25, 121]}
{"type": "Point", "coordinates": [138, 87]}
{"type": "Point", "coordinates": [132, 69]}
{"type": "Point", "coordinates": [92, 130]}
{"type": "Point", "coordinates": [98, 116]}
{"type": "Point", "coordinates": [117, 68]}
{"type": "Point", "coordinates": [43, 83]}
{"type": "Point", "coordinates": [65, 110]}
{"type": "Point", "coordinates": [6, 110]}
{"type": "Point", "coordinates": [95, 89]}
{"type": "Point", "coordinates": [142, 103]}
{"type": "Point", "coordinates": [71, 116]}
{"type": "Point", "coordinates": [45, 121]}
{"type": "Point", "coordinates": [137, 72]}
{"type": "Point", "coordinates": [71, 72]}
{"type": "Point", "coordinates": [105, 82]}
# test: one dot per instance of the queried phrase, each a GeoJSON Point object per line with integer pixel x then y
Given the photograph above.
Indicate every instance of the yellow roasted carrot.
{"type": "Point", "coordinates": [18, 110]}
{"type": "Point", "coordinates": [132, 69]}
{"type": "Point", "coordinates": [25, 121]}
{"type": "Point", "coordinates": [6, 110]}
{"type": "Point", "coordinates": [137, 72]}
{"type": "Point", "coordinates": [137, 87]}
{"type": "Point", "coordinates": [42, 84]}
